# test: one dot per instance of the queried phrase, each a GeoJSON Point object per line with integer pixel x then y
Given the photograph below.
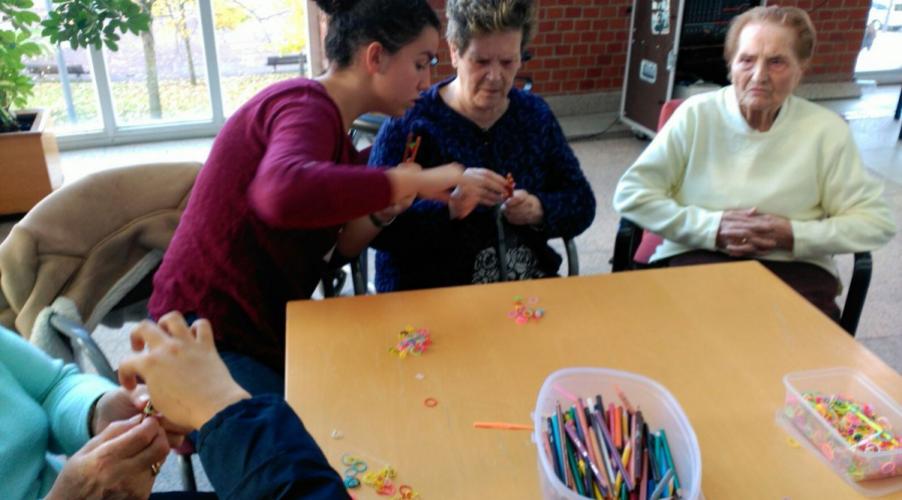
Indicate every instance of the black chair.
{"type": "Point", "coordinates": [629, 236]}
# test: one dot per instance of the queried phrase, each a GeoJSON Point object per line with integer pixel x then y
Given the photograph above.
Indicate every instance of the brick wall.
{"type": "Point", "coordinates": [580, 45]}
{"type": "Point", "coordinates": [840, 27]}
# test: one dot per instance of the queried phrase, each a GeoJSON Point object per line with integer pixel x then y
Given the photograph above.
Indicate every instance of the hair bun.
{"type": "Point", "coordinates": [333, 7]}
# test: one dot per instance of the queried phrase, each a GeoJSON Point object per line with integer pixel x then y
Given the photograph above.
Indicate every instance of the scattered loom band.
{"type": "Point", "coordinates": [430, 402]}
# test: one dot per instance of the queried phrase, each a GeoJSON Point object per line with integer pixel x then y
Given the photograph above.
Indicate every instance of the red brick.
{"type": "Point", "coordinates": [571, 37]}
{"type": "Point", "coordinates": [552, 88]}
{"type": "Point", "coordinates": [542, 51]}
{"type": "Point", "coordinates": [569, 62]}
{"type": "Point", "coordinates": [598, 48]}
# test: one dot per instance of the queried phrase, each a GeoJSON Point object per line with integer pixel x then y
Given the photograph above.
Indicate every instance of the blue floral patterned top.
{"type": "Point", "coordinates": [424, 248]}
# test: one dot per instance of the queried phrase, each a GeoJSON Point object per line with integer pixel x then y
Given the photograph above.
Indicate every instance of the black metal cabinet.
{"type": "Point", "coordinates": [673, 42]}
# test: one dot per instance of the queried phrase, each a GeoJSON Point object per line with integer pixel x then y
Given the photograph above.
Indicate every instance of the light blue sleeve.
{"type": "Point", "coordinates": [64, 393]}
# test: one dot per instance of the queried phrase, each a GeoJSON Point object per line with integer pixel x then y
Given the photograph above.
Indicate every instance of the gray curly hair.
{"type": "Point", "coordinates": [473, 18]}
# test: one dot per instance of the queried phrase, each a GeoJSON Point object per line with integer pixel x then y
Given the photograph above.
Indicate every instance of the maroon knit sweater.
{"type": "Point", "coordinates": [281, 178]}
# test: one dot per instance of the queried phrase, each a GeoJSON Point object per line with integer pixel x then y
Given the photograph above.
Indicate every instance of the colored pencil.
{"type": "Point", "coordinates": [669, 457]}
{"type": "Point", "coordinates": [571, 433]}
{"type": "Point", "coordinates": [656, 494]}
{"type": "Point", "coordinates": [614, 453]}
{"type": "Point", "coordinates": [584, 431]}
{"type": "Point", "coordinates": [555, 449]}
{"type": "Point", "coordinates": [605, 456]}
{"type": "Point", "coordinates": [562, 444]}
{"type": "Point", "coordinates": [502, 425]}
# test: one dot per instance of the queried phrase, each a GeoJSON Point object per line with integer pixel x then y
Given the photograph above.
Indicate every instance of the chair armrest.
{"type": "Point", "coordinates": [626, 242]}
{"type": "Point", "coordinates": [81, 342]}
{"type": "Point", "coordinates": [359, 272]}
{"type": "Point", "coordinates": [572, 257]}
{"type": "Point", "coordinates": [858, 291]}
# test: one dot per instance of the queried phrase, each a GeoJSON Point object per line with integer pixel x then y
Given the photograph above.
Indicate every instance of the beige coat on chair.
{"type": "Point", "coordinates": [91, 241]}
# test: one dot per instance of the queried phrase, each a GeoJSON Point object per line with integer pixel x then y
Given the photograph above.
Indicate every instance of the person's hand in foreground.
{"type": "Point", "coordinates": [523, 209]}
{"type": "Point", "coordinates": [477, 186]}
{"type": "Point", "coordinates": [186, 378]}
{"type": "Point", "coordinates": [117, 463]}
{"type": "Point", "coordinates": [121, 404]}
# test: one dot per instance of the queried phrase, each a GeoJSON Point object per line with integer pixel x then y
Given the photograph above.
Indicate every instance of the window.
{"type": "Point", "coordinates": [201, 60]}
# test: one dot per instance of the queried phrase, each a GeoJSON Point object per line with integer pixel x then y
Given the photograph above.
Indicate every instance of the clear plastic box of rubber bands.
{"type": "Point", "coordinates": [853, 424]}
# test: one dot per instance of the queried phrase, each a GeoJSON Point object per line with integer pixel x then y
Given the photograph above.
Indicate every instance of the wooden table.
{"type": "Point", "coordinates": [719, 337]}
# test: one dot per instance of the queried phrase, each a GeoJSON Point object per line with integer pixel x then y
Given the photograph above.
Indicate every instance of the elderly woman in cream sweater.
{"type": "Point", "coordinates": [753, 172]}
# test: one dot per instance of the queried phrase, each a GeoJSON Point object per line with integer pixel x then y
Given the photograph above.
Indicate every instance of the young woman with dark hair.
{"type": "Point", "coordinates": [283, 179]}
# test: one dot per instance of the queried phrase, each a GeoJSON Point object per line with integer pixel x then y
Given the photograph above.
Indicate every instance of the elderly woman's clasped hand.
{"type": "Point", "coordinates": [747, 233]}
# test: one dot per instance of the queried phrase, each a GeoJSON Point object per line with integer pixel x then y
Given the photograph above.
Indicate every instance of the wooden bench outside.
{"type": "Point", "coordinates": [52, 69]}
{"type": "Point", "coordinates": [299, 60]}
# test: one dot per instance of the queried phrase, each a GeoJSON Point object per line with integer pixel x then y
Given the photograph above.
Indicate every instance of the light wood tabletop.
{"type": "Point", "coordinates": [719, 337]}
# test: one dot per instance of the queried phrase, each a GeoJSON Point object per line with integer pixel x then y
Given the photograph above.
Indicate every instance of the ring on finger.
{"type": "Point", "coordinates": [155, 468]}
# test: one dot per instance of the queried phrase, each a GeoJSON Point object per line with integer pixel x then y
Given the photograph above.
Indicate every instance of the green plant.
{"type": "Point", "coordinates": [81, 23]}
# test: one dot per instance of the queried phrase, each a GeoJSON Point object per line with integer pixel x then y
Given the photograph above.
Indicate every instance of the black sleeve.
{"type": "Point", "coordinates": [258, 448]}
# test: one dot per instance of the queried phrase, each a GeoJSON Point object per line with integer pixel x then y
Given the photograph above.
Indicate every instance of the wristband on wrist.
{"type": "Point", "coordinates": [91, 415]}
{"type": "Point", "coordinates": [379, 222]}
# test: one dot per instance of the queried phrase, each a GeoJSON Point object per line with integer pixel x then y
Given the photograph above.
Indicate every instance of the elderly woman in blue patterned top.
{"type": "Point", "coordinates": [480, 119]}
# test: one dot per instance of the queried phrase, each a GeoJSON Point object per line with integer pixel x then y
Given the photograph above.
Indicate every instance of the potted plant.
{"type": "Point", "coordinates": [28, 153]}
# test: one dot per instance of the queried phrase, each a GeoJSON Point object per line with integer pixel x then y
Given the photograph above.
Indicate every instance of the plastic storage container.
{"type": "Point", "coordinates": [854, 465]}
{"type": "Point", "coordinates": [658, 406]}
